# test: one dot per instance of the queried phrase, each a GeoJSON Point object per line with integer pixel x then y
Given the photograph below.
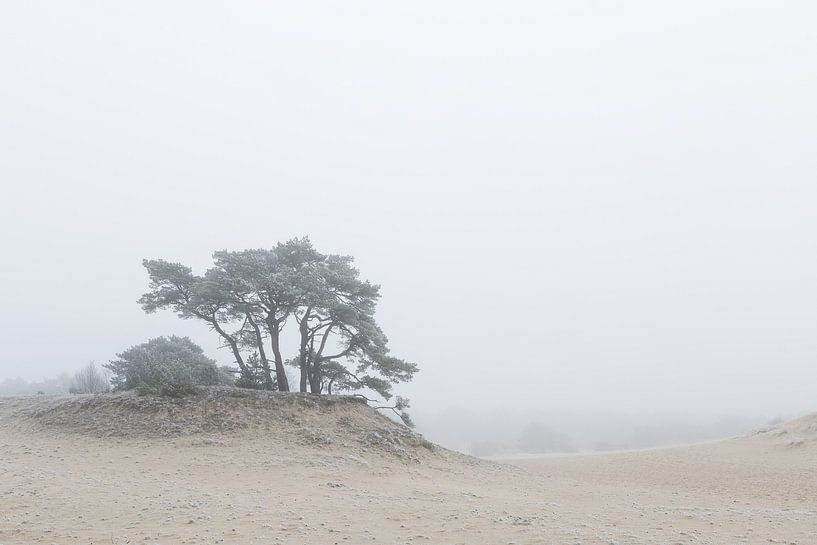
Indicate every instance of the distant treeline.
{"type": "Point", "coordinates": [497, 431]}
{"type": "Point", "coordinates": [18, 386]}
{"type": "Point", "coordinates": [597, 433]}
{"type": "Point", "coordinates": [88, 380]}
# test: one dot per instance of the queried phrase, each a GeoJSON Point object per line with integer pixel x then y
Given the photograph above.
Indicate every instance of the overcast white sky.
{"type": "Point", "coordinates": [569, 204]}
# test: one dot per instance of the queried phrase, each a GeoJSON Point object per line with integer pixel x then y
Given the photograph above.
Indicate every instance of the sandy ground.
{"type": "Point", "coordinates": [238, 487]}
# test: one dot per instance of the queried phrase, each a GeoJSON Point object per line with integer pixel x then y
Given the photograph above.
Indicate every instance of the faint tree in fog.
{"type": "Point", "coordinates": [90, 380]}
{"type": "Point", "coordinates": [537, 438]}
{"type": "Point", "coordinates": [485, 448]}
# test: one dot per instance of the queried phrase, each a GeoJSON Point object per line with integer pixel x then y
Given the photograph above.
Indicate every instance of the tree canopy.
{"type": "Point", "coordinates": [248, 297]}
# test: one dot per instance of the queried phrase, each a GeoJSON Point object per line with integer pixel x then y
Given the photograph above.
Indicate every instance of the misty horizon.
{"type": "Point", "coordinates": [593, 209]}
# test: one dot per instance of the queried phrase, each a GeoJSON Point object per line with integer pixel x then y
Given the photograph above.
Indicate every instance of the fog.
{"type": "Point", "coordinates": [593, 215]}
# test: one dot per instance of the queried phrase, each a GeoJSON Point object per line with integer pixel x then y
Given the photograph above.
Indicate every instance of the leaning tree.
{"type": "Point", "coordinates": [174, 287]}
{"type": "Point", "coordinates": [341, 344]}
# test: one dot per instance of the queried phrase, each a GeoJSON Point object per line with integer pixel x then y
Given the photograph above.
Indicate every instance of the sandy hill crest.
{"type": "Point", "coordinates": [216, 414]}
{"type": "Point", "coordinates": [794, 433]}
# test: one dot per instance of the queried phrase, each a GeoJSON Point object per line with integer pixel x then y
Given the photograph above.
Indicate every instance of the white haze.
{"type": "Point", "coordinates": [574, 208]}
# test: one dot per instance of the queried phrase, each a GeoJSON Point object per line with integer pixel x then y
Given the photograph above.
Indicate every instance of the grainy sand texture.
{"type": "Point", "coordinates": [256, 468]}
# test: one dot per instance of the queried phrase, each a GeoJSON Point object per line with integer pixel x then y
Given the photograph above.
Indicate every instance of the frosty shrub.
{"type": "Point", "coordinates": [170, 366]}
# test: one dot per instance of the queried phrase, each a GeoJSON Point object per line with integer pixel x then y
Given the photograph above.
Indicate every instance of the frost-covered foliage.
{"type": "Point", "coordinates": [249, 296]}
{"type": "Point", "coordinates": [90, 380]}
{"type": "Point", "coordinates": [170, 366]}
{"type": "Point", "coordinates": [253, 376]}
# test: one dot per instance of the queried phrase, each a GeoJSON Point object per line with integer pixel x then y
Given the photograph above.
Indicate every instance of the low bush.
{"type": "Point", "coordinates": [171, 366]}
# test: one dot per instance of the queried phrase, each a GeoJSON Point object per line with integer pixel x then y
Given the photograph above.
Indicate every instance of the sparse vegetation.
{"type": "Point", "coordinates": [90, 380]}
{"type": "Point", "coordinates": [399, 408]}
{"type": "Point", "coordinates": [309, 420]}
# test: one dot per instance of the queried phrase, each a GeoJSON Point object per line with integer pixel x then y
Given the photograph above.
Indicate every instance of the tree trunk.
{"type": "Point", "coordinates": [259, 341]}
{"type": "Point", "coordinates": [315, 377]}
{"type": "Point", "coordinates": [233, 347]}
{"type": "Point", "coordinates": [275, 341]}
{"type": "Point", "coordinates": [302, 359]}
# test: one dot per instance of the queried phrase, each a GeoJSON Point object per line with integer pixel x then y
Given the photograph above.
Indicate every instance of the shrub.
{"type": "Point", "coordinates": [252, 376]}
{"type": "Point", "coordinates": [171, 366]}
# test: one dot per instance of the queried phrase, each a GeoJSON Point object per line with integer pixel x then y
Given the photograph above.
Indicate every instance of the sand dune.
{"type": "Point", "coordinates": [268, 468]}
